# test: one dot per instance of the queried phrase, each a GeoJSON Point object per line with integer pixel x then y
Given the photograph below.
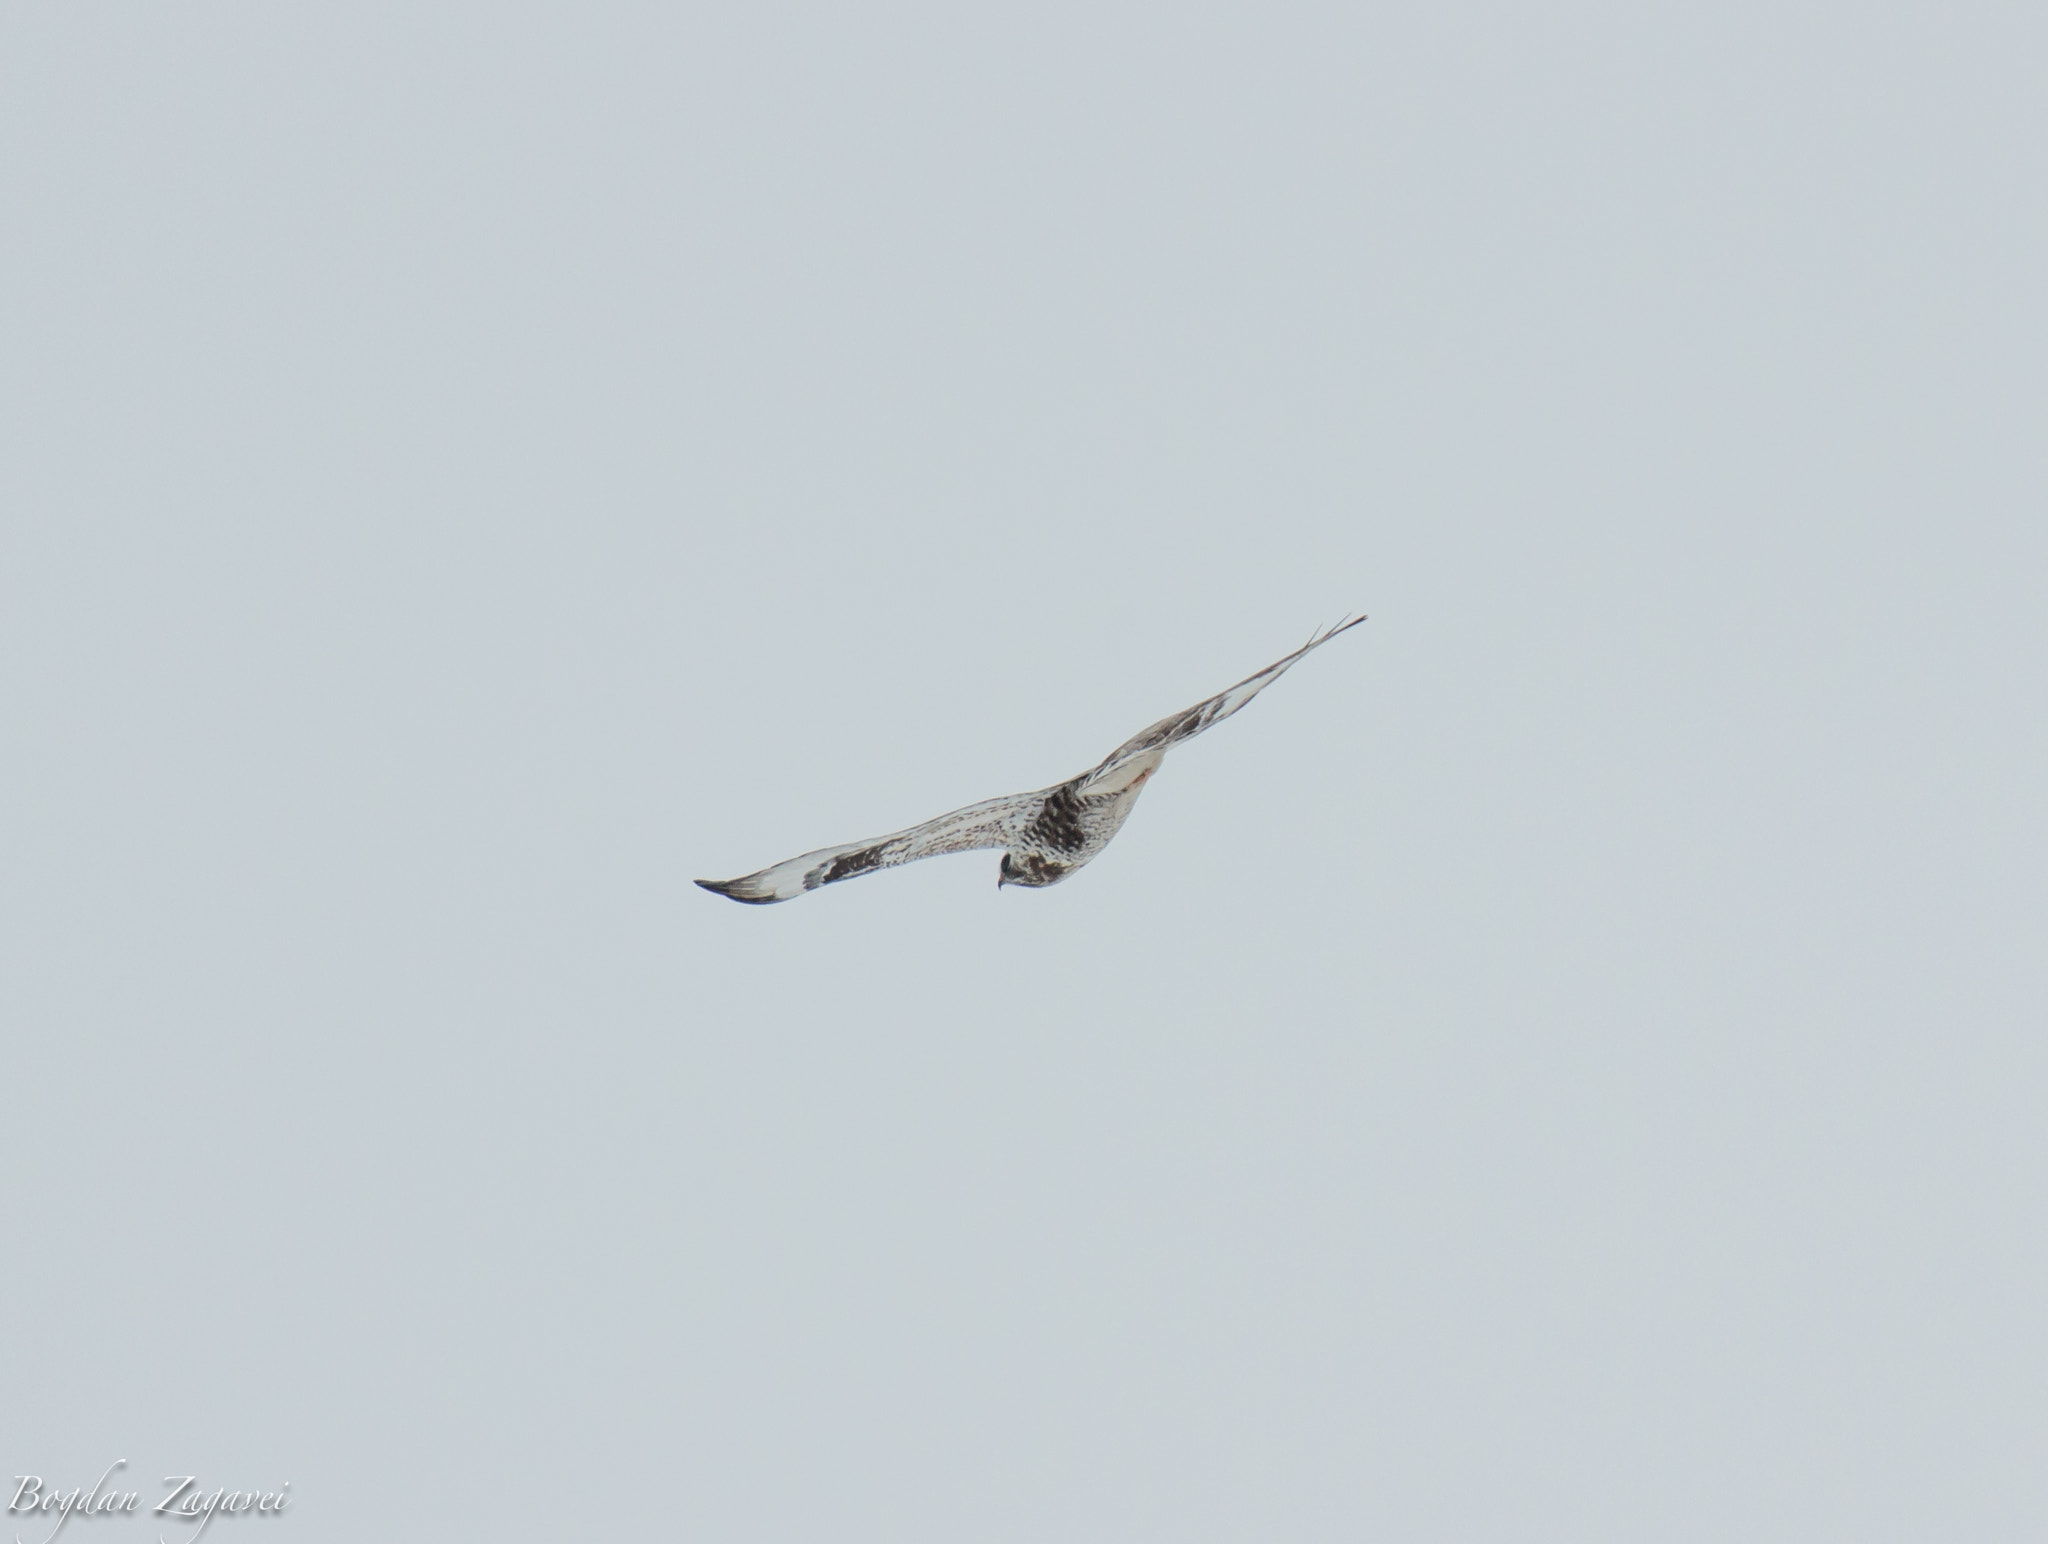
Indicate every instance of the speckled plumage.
{"type": "Point", "coordinates": [1045, 835]}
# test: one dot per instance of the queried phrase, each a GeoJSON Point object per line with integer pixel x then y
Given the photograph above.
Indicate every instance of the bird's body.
{"type": "Point", "coordinates": [1045, 835]}
{"type": "Point", "coordinates": [1074, 824]}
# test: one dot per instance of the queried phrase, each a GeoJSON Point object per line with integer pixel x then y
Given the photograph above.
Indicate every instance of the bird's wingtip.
{"type": "Point", "coordinates": [730, 889]}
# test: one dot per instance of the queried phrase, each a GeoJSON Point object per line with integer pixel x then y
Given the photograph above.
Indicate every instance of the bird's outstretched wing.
{"type": "Point", "coordinates": [993, 823]}
{"type": "Point", "coordinates": [1191, 722]}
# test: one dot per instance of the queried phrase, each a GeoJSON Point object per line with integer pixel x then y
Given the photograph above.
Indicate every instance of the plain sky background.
{"type": "Point", "coordinates": [1567, 1063]}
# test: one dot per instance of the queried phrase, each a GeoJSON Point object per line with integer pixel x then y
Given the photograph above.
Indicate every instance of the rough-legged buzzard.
{"type": "Point", "coordinates": [1045, 836]}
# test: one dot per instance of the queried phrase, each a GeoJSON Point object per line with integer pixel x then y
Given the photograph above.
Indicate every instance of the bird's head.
{"type": "Point", "coordinates": [1030, 870]}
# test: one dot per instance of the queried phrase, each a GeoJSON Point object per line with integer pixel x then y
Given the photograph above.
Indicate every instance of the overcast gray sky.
{"type": "Point", "coordinates": [1566, 1063]}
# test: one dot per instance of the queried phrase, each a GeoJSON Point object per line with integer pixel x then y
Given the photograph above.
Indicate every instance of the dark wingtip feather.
{"type": "Point", "coordinates": [727, 888]}
{"type": "Point", "coordinates": [1324, 635]}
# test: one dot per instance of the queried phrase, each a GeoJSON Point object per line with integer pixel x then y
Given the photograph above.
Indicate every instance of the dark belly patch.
{"type": "Point", "coordinates": [1058, 825]}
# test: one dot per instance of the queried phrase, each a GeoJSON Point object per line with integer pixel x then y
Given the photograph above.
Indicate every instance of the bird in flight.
{"type": "Point", "coordinates": [1045, 835]}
